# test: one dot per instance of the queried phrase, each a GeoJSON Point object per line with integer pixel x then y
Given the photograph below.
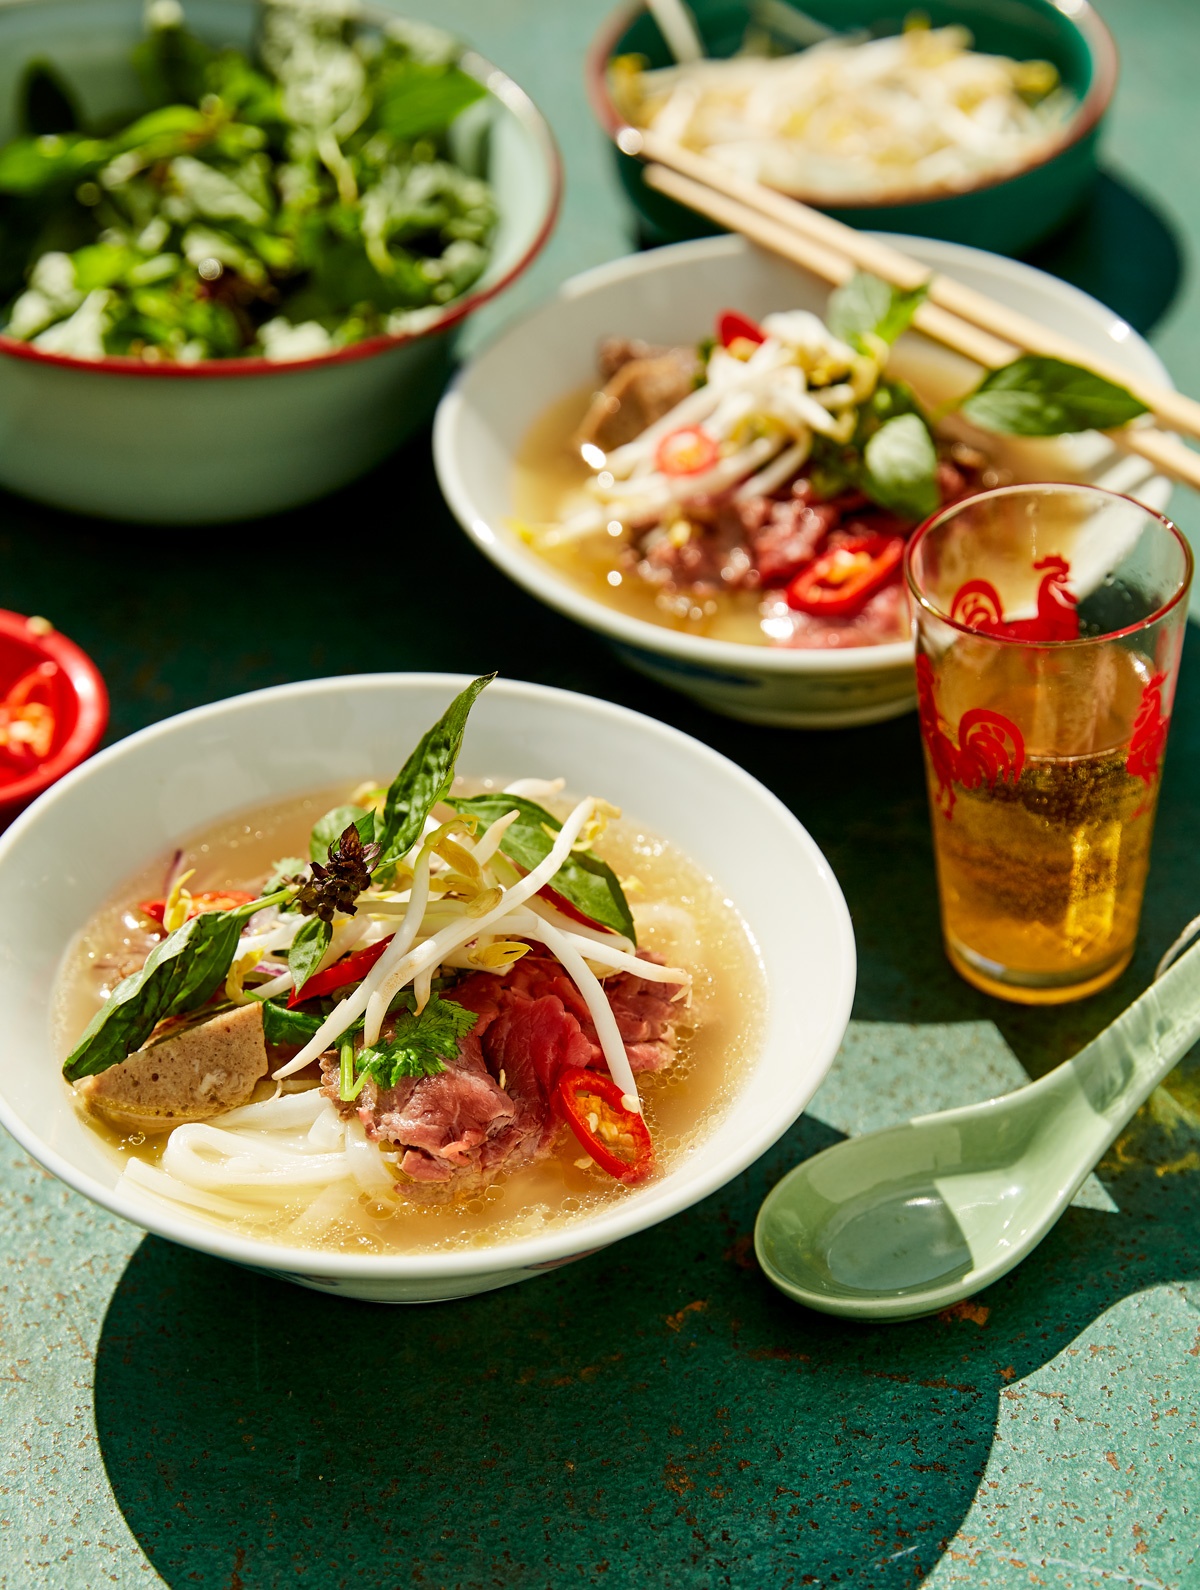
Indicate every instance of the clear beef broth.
{"type": "Point", "coordinates": [550, 475]}
{"type": "Point", "coordinates": [680, 913]}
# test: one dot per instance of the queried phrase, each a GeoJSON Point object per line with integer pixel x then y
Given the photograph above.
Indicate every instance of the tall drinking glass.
{"type": "Point", "coordinates": [1049, 621]}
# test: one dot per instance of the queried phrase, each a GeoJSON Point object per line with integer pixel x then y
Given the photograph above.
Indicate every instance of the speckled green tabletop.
{"type": "Point", "coordinates": [655, 1415]}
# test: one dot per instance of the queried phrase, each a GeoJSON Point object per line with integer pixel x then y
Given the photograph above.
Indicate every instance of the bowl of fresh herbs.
{"type": "Point", "coordinates": [236, 245]}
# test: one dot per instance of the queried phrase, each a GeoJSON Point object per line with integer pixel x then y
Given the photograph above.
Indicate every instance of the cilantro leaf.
{"type": "Point", "coordinates": [420, 1044]}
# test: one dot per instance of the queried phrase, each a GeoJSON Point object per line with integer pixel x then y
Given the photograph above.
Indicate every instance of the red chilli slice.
{"type": "Point", "coordinates": [209, 900]}
{"type": "Point", "coordinates": [732, 327]}
{"type": "Point", "coordinates": [620, 1140]}
{"type": "Point", "coordinates": [687, 451]}
{"type": "Point", "coordinates": [351, 969]}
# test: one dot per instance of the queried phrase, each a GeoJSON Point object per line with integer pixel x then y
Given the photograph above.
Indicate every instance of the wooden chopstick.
{"type": "Point", "coordinates": [836, 265]}
{"type": "Point", "coordinates": [1174, 409]}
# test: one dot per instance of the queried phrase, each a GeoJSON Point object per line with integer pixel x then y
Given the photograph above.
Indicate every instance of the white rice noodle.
{"type": "Point", "coordinates": [332, 1204]}
{"type": "Point", "coordinates": [328, 1131]}
{"type": "Point", "coordinates": [366, 1163]}
{"type": "Point", "coordinates": [286, 1113]}
{"type": "Point", "coordinates": [214, 1160]}
{"type": "Point", "coordinates": [148, 1178]}
{"type": "Point", "coordinates": [600, 1010]}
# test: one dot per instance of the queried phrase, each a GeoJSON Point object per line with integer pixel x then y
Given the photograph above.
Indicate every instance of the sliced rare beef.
{"type": "Point", "coordinates": [491, 1110]}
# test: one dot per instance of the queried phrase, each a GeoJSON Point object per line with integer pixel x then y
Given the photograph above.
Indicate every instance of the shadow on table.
{"type": "Point", "coordinates": [1120, 248]}
{"type": "Point", "coordinates": [656, 1414]}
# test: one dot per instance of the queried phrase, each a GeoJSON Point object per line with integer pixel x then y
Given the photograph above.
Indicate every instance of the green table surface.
{"type": "Point", "coordinates": [655, 1415]}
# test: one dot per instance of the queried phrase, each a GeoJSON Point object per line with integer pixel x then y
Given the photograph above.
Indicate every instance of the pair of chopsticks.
{"type": "Point", "coordinates": [969, 322]}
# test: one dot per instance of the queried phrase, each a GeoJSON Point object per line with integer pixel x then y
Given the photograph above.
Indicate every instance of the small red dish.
{"type": "Point", "coordinates": [53, 708]}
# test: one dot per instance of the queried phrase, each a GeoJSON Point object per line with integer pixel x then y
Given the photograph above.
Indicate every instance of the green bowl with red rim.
{"type": "Point", "coordinates": [1006, 214]}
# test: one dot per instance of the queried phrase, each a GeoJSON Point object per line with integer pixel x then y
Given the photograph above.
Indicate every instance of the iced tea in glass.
{"type": "Point", "coordinates": [1049, 622]}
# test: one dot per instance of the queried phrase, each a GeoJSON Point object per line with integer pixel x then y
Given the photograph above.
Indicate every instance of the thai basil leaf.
{"type": "Point", "coordinates": [285, 869]}
{"type": "Point", "coordinates": [866, 307]}
{"type": "Point", "coordinates": [292, 1028]}
{"type": "Point", "coordinates": [588, 883]}
{"type": "Point", "coordinates": [1034, 396]}
{"type": "Point", "coordinates": [181, 973]}
{"type": "Point", "coordinates": [425, 778]}
{"type": "Point", "coordinates": [900, 468]}
{"type": "Point", "coordinates": [329, 829]}
{"type": "Point", "coordinates": [309, 945]}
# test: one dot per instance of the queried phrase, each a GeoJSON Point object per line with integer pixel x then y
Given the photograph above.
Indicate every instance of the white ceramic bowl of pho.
{"type": "Point", "coordinates": [722, 881]}
{"type": "Point", "coordinates": [508, 462]}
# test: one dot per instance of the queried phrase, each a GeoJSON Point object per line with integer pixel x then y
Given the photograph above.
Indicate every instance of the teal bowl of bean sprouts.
{"type": "Point", "coordinates": [968, 121]}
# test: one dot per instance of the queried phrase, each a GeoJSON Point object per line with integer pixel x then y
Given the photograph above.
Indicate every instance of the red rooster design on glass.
{"type": "Point", "coordinates": [1149, 733]}
{"type": "Point", "coordinates": [990, 749]}
{"type": "Point", "coordinates": [977, 604]}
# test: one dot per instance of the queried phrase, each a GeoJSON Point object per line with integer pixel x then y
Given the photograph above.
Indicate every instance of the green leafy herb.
{"type": "Point", "coordinates": [1035, 396]}
{"type": "Point", "coordinates": [588, 883]}
{"type": "Point", "coordinates": [416, 99]}
{"type": "Point", "coordinates": [285, 205]}
{"type": "Point", "coordinates": [419, 1046]}
{"type": "Point", "coordinates": [284, 871]}
{"type": "Point", "coordinates": [866, 307]}
{"type": "Point", "coordinates": [329, 829]}
{"type": "Point", "coordinates": [181, 973]}
{"type": "Point", "coordinates": [309, 945]}
{"type": "Point", "coordinates": [425, 778]}
{"type": "Point", "coordinates": [900, 467]}
{"type": "Point", "coordinates": [287, 1028]}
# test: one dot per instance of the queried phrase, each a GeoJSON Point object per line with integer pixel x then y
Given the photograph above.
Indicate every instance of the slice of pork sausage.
{"type": "Point", "coordinates": [198, 1072]}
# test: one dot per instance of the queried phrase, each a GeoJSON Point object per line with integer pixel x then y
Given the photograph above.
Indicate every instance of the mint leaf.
{"type": "Point", "coordinates": [867, 306]}
{"type": "Point", "coordinates": [1035, 396]}
{"type": "Point", "coordinates": [420, 1044]}
{"type": "Point", "coordinates": [588, 883]}
{"type": "Point", "coordinates": [308, 947]}
{"type": "Point", "coordinates": [900, 468]}
{"type": "Point", "coordinates": [424, 779]}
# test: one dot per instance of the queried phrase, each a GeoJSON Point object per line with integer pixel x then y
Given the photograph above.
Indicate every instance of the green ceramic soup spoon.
{"type": "Point", "coordinates": [911, 1219]}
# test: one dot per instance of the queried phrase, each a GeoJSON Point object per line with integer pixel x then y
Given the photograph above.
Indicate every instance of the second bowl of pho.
{"type": "Point", "coordinates": [699, 454]}
{"type": "Point", "coordinates": [409, 1035]}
